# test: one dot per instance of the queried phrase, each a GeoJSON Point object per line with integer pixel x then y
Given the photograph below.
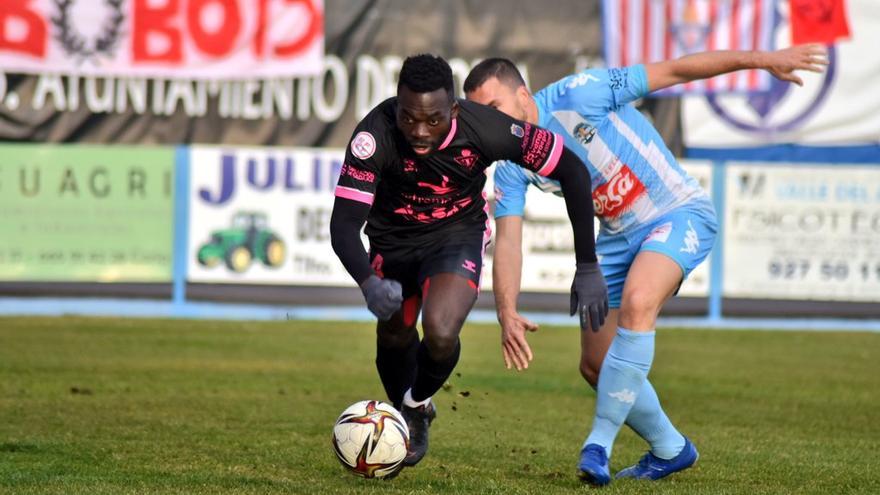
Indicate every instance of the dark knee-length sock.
{"type": "Point", "coordinates": [431, 374]}
{"type": "Point", "coordinates": [397, 368]}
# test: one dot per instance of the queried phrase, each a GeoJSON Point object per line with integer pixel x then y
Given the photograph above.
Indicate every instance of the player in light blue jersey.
{"type": "Point", "coordinates": [657, 225]}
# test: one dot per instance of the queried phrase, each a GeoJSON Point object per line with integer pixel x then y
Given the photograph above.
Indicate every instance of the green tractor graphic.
{"type": "Point", "coordinates": [249, 237]}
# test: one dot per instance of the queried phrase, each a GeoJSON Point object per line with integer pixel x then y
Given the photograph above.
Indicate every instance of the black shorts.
{"type": "Point", "coordinates": [462, 254]}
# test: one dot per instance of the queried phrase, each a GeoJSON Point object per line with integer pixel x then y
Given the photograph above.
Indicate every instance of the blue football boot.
{"type": "Point", "coordinates": [594, 465]}
{"type": "Point", "coordinates": [651, 467]}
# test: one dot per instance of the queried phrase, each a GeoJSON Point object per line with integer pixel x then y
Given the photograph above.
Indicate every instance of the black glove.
{"type": "Point", "coordinates": [589, 296]}
{"type": "Point", "coordinates": [383, 296]}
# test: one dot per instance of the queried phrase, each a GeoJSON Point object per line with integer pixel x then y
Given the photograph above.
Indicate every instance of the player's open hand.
{"type": "Point", "coordinates": [589, 296]}
{"type": "Point", "coordinates": [782, 63]}
{"type": "Point", "coordinates": [514, 345]}
{"type": "Point", "coordinates": [383, 296]}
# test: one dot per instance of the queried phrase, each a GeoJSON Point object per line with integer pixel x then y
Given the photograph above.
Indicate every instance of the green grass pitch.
{"type": "Point", "coordinates": [118, 406]}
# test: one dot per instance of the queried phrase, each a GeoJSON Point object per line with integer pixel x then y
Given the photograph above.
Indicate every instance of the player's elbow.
{"type": "Point", "coordinates": [575, 177]}
{"type": "Point", "coordinates": [341, 232]}
{"type": "Point", "coordinates": [571, 170]}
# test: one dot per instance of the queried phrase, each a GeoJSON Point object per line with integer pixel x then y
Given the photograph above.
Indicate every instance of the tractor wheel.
{"type": "Point", "coordinates": [273, 252]}
{"type": "Point", "coordinates": [238, 259]}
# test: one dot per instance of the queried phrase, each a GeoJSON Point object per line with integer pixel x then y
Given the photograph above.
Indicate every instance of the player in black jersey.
{"type": "Point", "coordinates": [415, 171]}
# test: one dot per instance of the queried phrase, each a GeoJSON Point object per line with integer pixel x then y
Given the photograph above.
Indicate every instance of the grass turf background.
{"type": "Point", "coordinates": [115, 406]}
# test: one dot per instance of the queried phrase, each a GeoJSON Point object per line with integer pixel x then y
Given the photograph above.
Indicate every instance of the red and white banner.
{"type": "Point", "coordinates": [839, 107]}
{"type": "Point", "coordinates": [641, 31]}
{"type": "Point", "coordinates": [192, 39]}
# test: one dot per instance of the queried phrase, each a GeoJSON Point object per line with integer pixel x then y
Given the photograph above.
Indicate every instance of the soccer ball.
{"type": "Point", "coordinates": [370, 439]}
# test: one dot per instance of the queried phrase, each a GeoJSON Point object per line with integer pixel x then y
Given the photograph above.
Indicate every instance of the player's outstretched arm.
{"type": "Point", "coordinates": [780, 63]}
{"type": "Point", "coordinates": [506, 277]}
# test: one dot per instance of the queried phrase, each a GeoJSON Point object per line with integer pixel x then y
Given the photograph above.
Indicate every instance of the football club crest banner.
{"type": "Point", "coordinates": [642, 31]}
{"type": "Point", "coordinates": [838, 108]}
{"type": "Point", "coordinates": [192, 39]}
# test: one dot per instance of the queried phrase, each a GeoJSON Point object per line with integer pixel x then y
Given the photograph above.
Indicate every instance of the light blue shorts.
{"type": "Point", "coordinates": [685, 234]}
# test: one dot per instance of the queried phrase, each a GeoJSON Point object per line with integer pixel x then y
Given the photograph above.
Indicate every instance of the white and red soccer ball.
{"type": "Point", "coordinates": [370, 439]}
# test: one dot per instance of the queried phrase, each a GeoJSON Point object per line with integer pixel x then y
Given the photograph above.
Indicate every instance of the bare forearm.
{"type": "Point", "coordinates": [782, 64]}
{"type": "Point", "coordinates": [506, 279]}
{"type": "Point", "coordinates": [507, 266]}
{"type": "Point", "coordinates": [710, 64]}
{"type": "Point", "coordinates": [701, 66]}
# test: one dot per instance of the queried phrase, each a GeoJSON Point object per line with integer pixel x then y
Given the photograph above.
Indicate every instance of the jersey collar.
{"type": "Point", "coordinates": [543, 115]}
{"type": "Point", "coordinates": [451, 134]}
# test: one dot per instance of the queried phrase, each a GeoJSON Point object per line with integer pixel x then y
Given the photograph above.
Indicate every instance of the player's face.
{"type": "Point", "coordinates": [502, 97]}
{"type": "Point", "coordinates": [425, 118]}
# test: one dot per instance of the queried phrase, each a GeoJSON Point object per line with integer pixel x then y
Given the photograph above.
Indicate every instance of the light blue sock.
{"type": "Point", "coordinates": [621, 378]}
{"type": "Point", "coordinates": [648, 420]}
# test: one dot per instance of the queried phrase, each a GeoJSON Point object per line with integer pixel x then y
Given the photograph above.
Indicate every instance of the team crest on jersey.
{"type": "Point", "coordinates": [517, 130]}
{"type": "Point", "coordinates": [363, 145]}
{"type": "Point", "coordinates": [617, 195]}
{"type": "Point", "coordinates": [409, 165]}
{"type": "Point", "coordinates": [584, 132]}
{"type": "Point", "coordinates": [467, 158]}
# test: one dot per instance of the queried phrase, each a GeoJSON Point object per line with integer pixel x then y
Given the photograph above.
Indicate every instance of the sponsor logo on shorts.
{"type": "Point", "coordinates": [691, 241]}
{"type": "Point", "coordinates": [660, 234]}
{"type": "Point", "coordinates": [363, 145]}
{"type": "Point", "coordinates": [469, 266]}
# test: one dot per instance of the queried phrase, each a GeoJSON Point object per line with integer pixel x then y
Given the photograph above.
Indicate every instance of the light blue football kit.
{"type": "Point", "coordinates": [644, 199]}
{"type": "Point", "coordinates": [645, 202]}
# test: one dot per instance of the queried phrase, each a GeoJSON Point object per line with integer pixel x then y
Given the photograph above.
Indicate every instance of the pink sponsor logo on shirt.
{"type": "Point", "coordinates": [358, 174]}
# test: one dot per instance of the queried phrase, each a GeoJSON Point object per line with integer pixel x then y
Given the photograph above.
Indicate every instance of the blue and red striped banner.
{"type": "Point", "coordinates": [642, 31]}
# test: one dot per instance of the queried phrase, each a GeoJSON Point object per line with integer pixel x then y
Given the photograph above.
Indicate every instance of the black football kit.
{"type": "Point", "coordinates": [428, 214]}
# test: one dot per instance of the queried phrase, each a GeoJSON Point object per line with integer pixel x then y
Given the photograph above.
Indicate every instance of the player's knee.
{"type": "Point", "coordinates": [440, 339]}
{"type": "Point", "coordinates": [638, 304]}
{"type": "Point", "coordinates": [442, 345]}
{"type": "Point", "coordinates": [395, 338]}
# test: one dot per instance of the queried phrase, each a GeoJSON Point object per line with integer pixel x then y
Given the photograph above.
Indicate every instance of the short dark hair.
{"type": "Point", "coordinates": [425, 73]}
{"type": "Point", "coordinates": [501, 68]}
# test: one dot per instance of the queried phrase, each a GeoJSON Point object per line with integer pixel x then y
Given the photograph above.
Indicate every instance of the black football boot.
{"type": "Point", "coordinates": [418, 420]}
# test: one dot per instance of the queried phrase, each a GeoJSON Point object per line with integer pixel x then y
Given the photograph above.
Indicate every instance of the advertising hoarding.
{"type": "Point", "coordinates": [802, 232]}
{"type": "Point", "coordinates": [86, 213]}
